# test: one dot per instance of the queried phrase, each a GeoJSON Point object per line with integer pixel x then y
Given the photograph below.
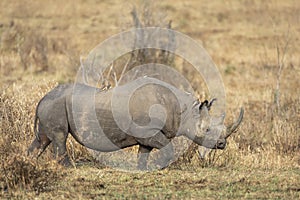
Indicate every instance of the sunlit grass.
{"type": "Point", "coordinates": [261, 160]}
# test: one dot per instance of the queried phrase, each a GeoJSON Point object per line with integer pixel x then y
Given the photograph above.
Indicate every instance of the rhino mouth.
{"type": "Point", "coordinates": [220, 145]}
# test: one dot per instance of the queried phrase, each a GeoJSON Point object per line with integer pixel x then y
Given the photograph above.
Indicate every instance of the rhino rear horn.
{"type": "Point", "coordinates": [210, 103]}
{"type": "Point", "coordinates": [233, 127]}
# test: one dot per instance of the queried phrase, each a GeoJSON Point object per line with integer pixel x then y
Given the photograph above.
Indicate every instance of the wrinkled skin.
{"type": "Point", "coordinates": [64, 110]}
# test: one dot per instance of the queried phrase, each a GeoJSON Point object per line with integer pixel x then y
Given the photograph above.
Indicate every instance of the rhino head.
{"type": "Point", "coordinates": [209, 131]}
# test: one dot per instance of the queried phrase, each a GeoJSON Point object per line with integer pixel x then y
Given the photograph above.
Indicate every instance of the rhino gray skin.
{"type": "Point", "coordinates": [66, 110]}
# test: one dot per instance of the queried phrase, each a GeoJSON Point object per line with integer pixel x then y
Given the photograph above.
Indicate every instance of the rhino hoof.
{"type": "Point", "coordinates": [66, 162]}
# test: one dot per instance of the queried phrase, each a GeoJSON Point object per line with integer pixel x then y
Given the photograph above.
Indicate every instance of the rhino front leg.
{"type": "Point", "coordinates": [60, 148]}
{"type": "Point", "coordinates": [143, 155]}
{"type": "Point", "coordinates": [166, 155]}
{"type": "Point", "coordinates": [161, 142]}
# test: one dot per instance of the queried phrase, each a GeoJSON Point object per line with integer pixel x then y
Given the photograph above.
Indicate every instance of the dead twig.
{"type": "Point", "coordinates": [281, 55]}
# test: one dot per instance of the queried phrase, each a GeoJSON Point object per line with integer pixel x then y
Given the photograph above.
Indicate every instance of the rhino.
{"type": "Point", "coordinates": [124, 116]}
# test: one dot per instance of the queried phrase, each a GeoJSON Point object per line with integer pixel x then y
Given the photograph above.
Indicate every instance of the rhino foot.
{"type": "Point", "coordinates": [65, 161]}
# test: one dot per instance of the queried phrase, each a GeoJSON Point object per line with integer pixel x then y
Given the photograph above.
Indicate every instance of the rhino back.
{"type": "Point", "coordinates": [59, 91]}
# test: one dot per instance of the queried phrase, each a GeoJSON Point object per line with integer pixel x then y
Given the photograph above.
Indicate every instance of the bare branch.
{"type": "Point", "coordinates": [280, 64]}
{"type": "Point", "coordinates": [124, 69]}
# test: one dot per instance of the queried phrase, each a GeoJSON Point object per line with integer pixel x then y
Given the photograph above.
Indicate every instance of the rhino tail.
{"type": "Point", "coordinates": [36, 119]}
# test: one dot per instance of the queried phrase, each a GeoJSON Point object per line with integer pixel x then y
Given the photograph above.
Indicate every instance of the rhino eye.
{"type": "Point", "coordinates": [208, 129]}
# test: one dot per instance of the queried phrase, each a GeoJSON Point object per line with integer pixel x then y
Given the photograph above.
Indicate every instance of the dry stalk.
{"type": "Point", "coordinates": [124, 69]}
{"type": "Point", "coordinates": [280, 65]}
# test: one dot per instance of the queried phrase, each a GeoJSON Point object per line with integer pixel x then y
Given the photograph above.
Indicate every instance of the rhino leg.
{"type": "Point", "coordinates": [40, 144]}
{"type": "Point", "coordinates": [60, 148]}
{"type": "Point", "coordinates": [161, 142]}
{"type": "Point", "coordinates": [166, 155]}
{"type": "Point", "coordinates": [143, 155]}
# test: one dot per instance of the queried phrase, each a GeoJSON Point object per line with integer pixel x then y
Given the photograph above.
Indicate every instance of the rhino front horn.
{"type": "Point", "coordinates": [232, 128]}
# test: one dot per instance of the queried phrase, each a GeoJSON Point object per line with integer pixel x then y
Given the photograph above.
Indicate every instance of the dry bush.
{"type": "Point", "coordinates": [145, 16]}
{"type": "Point", "coordinates": [63, 57]}
{"type": "Point", "coordinates": [18, 105]}
{"type": "Point", "coordinates": [20, 172]}
{"type": "Point", "coordinates": [33, 51]}
{"type": "Point", "coordinates": [31, 46]}
{"type": "Point", "coordinates": [269, 128]}
{"type": "Point", "coordinates": [17, 170]}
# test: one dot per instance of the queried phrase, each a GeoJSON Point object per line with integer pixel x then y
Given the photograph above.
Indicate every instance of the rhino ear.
{"type": "Point", "coordinates": [210, 103]}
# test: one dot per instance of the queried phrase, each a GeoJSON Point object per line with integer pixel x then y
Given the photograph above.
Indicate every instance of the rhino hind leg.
{"type": "Point", "coordinates": [60, 148]}
{"type": "Point", "coordinates": [40, 144]}
{"type": "Point", "coordinates": [143, 155]}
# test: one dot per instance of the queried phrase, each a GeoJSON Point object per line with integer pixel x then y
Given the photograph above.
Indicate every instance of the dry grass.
{"type": "Point", "coordinates": [262, 160]}
{"type": "Point", "coordinates": [17, 170]}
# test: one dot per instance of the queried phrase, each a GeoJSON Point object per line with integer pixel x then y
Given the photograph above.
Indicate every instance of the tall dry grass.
{"type": "Point", "coordinates": [17, 110]}
{"type": "Point", "coordinates": [267, 139]}
{"type": "Point", "coordinates": [17, 170]}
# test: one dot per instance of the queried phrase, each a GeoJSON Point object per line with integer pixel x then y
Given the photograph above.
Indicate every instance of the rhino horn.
{"type": "Point", "coordinates": [232, 128]}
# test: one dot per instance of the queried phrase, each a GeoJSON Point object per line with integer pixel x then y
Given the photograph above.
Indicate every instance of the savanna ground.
{"type": "Point", "coordinates": [255, 45]}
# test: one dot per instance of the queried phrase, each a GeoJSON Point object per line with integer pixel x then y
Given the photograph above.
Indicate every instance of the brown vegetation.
{"type": "Point", "coordinates": [254, 45]}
